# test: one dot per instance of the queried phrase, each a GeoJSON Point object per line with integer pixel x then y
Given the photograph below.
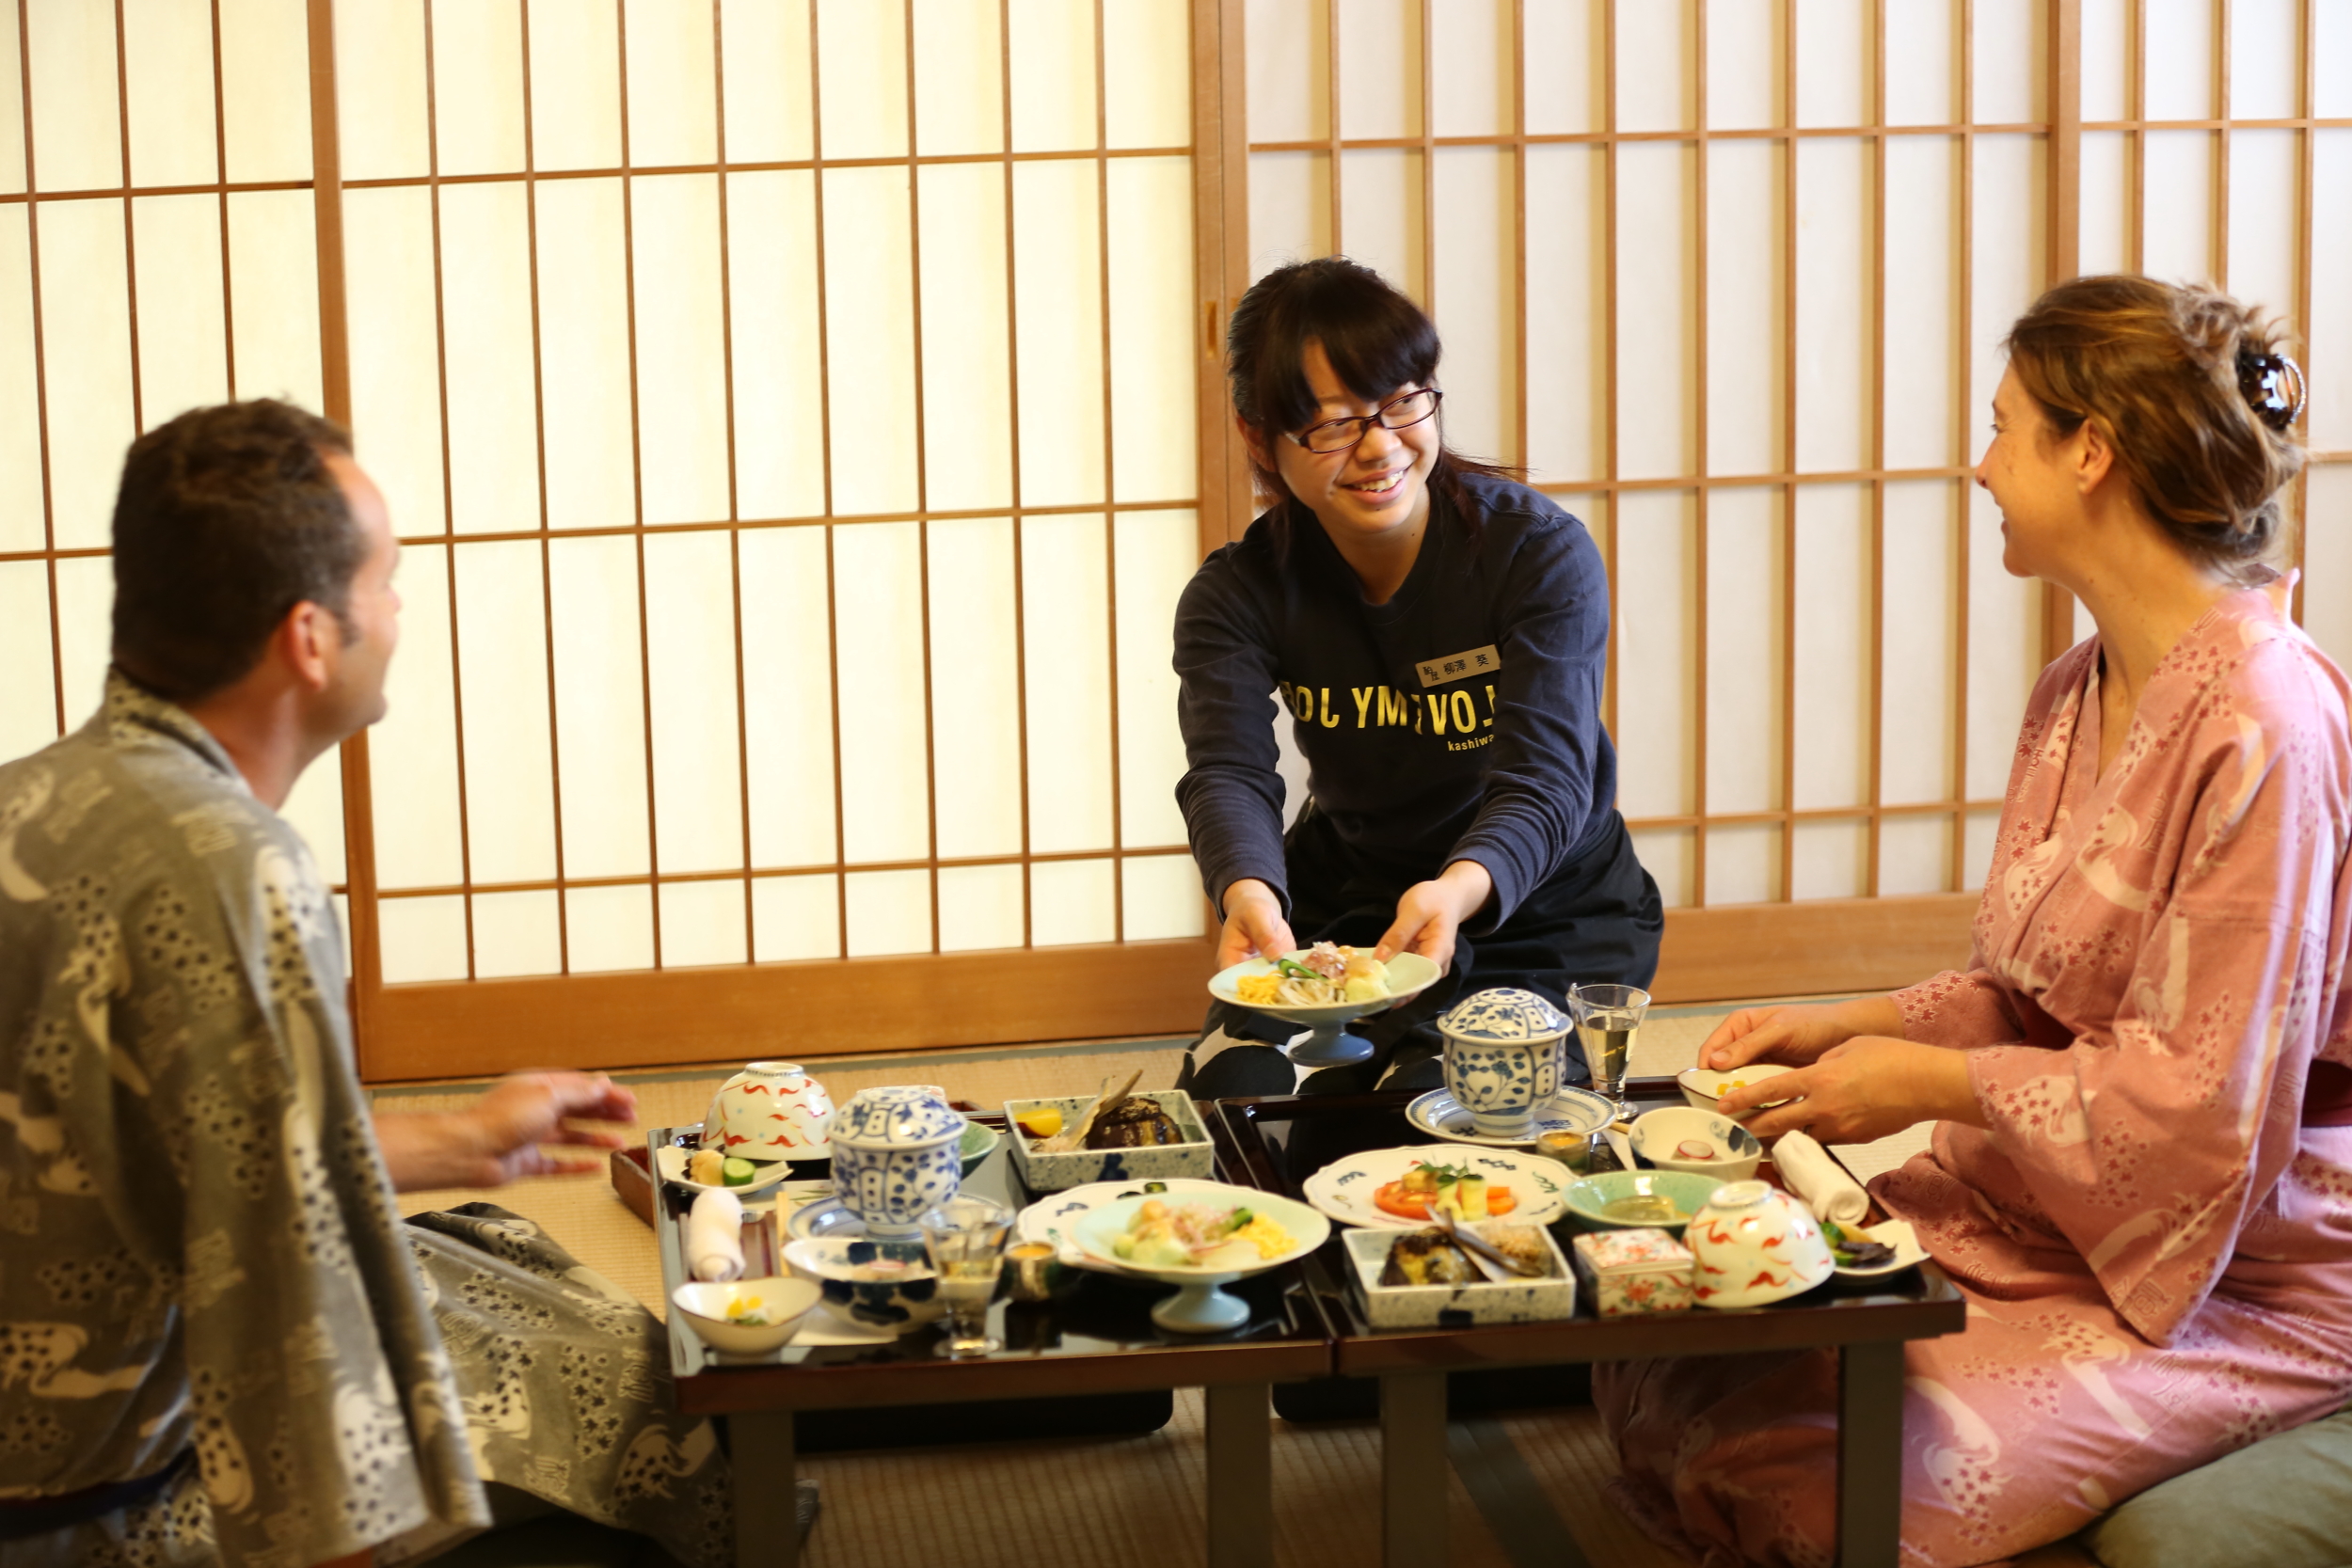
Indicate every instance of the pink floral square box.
{"type": "Point", "coordinates": [1635, 1270]}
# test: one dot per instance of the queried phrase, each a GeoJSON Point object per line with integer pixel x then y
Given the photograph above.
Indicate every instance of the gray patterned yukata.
{"type": "Point", "coordinates": [198, 1247]}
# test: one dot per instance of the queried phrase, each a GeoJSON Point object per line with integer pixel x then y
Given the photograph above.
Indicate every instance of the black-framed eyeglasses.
{"type": "Point", "coordinates": [1398, 413]}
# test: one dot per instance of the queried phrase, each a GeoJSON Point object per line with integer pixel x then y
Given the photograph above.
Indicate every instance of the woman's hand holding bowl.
{"type": "Point", "coordinates": [1797, 1034]}
{"type": "Point", "coordinates": [1865, 1088]}
{"type": "Point", "coordinates": [1254, 927]}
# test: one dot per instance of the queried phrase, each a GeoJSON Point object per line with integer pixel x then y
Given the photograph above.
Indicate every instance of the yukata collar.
{"type": "Point", "coordinates": [132, 715]}
{"type": "Point", "coordinates": [2237, 619]}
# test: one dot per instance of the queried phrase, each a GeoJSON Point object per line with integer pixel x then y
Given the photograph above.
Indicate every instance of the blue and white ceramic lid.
{"type": "Point", "coordinates": [1505, 1013]}
{"type": "Point", "coordinates": [897, 1116]}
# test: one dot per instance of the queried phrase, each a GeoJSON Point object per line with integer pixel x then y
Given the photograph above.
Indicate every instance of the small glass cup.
{"type": "Point", "coordinates": [965, 1238]}
{"type": "Point", "coordinates": [1608, 1020]}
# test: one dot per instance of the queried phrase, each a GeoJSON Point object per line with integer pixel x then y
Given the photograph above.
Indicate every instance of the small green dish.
{"type": "Point", "coordinates": [980, 1142]}
{"type": "Point", "coordinates": [1589, 1197]}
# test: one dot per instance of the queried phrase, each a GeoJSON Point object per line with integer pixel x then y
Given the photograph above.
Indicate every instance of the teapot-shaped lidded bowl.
{"type": "Point", "coordinates": [1753, 1244]}
{"type": "Point", "coordinates": [1502, 1058]}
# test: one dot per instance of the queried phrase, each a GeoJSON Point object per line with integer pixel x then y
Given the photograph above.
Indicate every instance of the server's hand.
{"type": "Point", "coordinates": [1254, 927]}
{"type": "Point", "coordinates": [1431, 912]}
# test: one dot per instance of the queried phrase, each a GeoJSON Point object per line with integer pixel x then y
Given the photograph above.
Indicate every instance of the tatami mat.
{"type": "Point", "coordinates": [1079, 1504]}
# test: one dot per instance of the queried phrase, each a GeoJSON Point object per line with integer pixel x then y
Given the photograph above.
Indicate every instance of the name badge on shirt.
{"type": "Point", "coordinates": [1454, 666]}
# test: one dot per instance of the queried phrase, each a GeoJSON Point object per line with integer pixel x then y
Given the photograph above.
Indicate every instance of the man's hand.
{"type": "Point", "coordinates": [1796, 1034]}
{"type": "Point", "coordinates": [497, 1138]}
{"type": "Point", "coordinates": [1254, 927]}
{"type": "Point", "coordinates": [1431, 912]}
{"type": "Point", "coordinates": [1863, 1089]}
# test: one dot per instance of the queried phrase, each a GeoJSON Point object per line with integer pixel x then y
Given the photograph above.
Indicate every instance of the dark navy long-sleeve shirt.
{"type": "Point", "coordinates": [1460, 720]}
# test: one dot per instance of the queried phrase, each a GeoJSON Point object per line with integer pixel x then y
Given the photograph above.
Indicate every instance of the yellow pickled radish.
{"type": "Point", "coordinates": [1043, 1122]}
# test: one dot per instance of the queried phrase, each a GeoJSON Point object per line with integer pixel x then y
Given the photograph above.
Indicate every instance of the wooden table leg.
{"type": "Point", "coordinates": [1241, 1475]}
{"type": "Point", "coordinates": [1412, 1455]}
{"type": "Point", "coordinates": [766, 1516]}
{"type": "Point", "coordinates": [1869, 1455]}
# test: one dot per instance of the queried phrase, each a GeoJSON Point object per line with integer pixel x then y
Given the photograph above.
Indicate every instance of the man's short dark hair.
{"type": "Point", "coordinates": [227, 517]}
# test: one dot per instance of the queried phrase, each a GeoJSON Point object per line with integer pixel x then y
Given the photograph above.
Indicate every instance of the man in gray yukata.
{"type": "Point", "coordinates": [219, 1342]}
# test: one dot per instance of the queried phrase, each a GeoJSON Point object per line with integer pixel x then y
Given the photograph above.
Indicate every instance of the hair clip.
{"type": "Point", "coordinates": [2263, 379]}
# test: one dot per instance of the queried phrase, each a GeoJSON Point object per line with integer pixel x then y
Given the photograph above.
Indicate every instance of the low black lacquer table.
{"type": "Point", "coordinates": [1278, 1142]}
{"type": "Point", "coordinates": [1100, 1340]}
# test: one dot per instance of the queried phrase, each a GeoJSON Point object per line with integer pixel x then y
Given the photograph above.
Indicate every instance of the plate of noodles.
{"type": "Point", "coordinates": [1323, 983]}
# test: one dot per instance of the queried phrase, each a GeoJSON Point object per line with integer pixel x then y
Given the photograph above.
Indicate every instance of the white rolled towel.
{"type": "Point", "coordinates": [714, 1238]}
{"type": "Point", "coordinates": [1813, 1175]}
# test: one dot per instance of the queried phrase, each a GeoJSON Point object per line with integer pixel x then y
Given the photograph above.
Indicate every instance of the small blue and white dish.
{"type": "Point", "coordinates": [871, 1284]}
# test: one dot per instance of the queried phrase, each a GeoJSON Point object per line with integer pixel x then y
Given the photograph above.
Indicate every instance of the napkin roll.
{"type": "Point", "coordinates": [714, 1238]}
{"type": "Point", "coordinates": [1813, 1175]}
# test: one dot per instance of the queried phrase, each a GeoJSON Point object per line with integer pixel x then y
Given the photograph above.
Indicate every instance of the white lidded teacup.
{"type": "Point", "coordinates": [769, 1111]}
{"type": "Point", "coordinates": [896, 1152]}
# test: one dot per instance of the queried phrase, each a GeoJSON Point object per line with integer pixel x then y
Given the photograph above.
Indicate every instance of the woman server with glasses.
{"type": "Point", "coordinates": [1437, 635]}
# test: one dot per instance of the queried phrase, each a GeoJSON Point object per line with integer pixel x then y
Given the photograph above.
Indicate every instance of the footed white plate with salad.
{"type": "Point", "coordinates": [1053, 1218]}
{"type": "Point", "coordinates": [1200, 1241]}
{"type": "Point", "coordinates": [1399, 1187]}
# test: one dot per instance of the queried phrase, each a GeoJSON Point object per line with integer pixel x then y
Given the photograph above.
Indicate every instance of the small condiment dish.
{"type": "Point", "coordinates": [1732, 1156]}
{"type": "Point", "coordinates": [715, 1312]}
{"type": "Point", "coordinates": [1704, 1087]}
{"type": "Point", "coordinates": [1594, 1203]}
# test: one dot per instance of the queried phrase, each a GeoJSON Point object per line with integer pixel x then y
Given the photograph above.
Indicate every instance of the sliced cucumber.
{"type": "Point", "coordinates": [737, 1173]}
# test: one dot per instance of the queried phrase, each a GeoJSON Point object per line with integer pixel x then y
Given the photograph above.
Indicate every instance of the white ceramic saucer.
{"type": "Point", "coordinates": [1572, 1110]}
{"type": "Point", "coordinates": [1895, 1233]}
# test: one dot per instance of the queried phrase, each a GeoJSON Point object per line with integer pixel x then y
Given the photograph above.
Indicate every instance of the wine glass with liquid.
{"type": "Point", "coordinates": [1607, 1019]}
{"type": "Point", "coordinates": [965, 1238]}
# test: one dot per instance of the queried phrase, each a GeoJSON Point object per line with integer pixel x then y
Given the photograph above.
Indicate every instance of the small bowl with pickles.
{"type": "Point", "coordinates": [1625, 1199]}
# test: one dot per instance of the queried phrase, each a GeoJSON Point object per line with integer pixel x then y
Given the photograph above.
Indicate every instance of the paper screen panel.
{"type": "Point", "coordinates": [2176, 236]}
{"type": "Point", "coordinates": [2003, 654]}
{"type": "Point", "coordinates": [681, 352]}
{"type": "Point", "coordinates": [477, 62]}
{"type": "Point", "coordinates": [1476, 246]}
{"type": "Point", "coordinates": [2327, 564]}
{"type": "Point", "coordinates": [1147, 80]}
{"type": "Point", "coordinates": [868, 294]}
{"type": "Point", "coordinates": [395, 371]}
{"type": "Point", "coordinates": [584, 384]}
{"type": "Point", "coordinates": [976, 692]}
{"type": "Point", "coordinates": [600, 706]}
{"type": "Point", "coordinates": [72, 62]}
{"type": "Point", "coordinates": [608, 929]}
{"type": "Point", "coordinates": [888, 911]}
{"type": "Point", "coordinates": [981, 906]}
{"type": "Point", "coordinates": [1058, 304]}
{"type": "Point", "coordinates": [788, 696]}
{"type": "Point", "coordinates": [1155, 554]}
{"type": "Point", "coordinates": [273, 276]}
{"type": "Point", "coordinates": [1918, 589]}
{"type": "Point", "coordinates": [702, 922]}
{"type": "Point", "coordinates": [673, 82]}
{"type": "Point", "coordinates": [2262, 236]}
{"type": "Point", "coordinates": [1654, 76]}
{"type": "Point", "coordinates": [690, 642]}
{"type": "Point", "coordinates": [1920, 78]}
{"type": "Point", "coordinates": [1835, 307]}
{"type": "Point", "coordinates": [1288, 66]}
{"type": "Point", "coordinates": [502, 639]}
{"type": "Point", "coordinates": [967, 367]}
{"type": "Point", "coordinates": [1290, 209]}
{"type": "Point", "coordinates": [1656, 643]}
{"type": "Point", "coordinates": [576, 86]}
{"type": "Point", "coordinates": [423, 939]}
{"type": "Point", "coordinates": [861, 66]}
{"type": "Point", "coordinates": [266, 88]}
{"type": "Point", "coordinates": [1658, 384]}
{"type": "Point", "coordinates": [1834, 656]}
{"type": "Point", "coordinates": [486, 349]}
{"type": "Point", "coordinates": [958, 78]}
{"type": "Point", "coordinates": [1160, 896]}
{"type": "Point", "coordinates": [765, 45]}
{"type": "Point", "coordinates": [1921, 306]}
{"type": "Point", "coordinates": [516, 933]}
{"type": "Point", "coordinates": [1472, 75]}
{"type": "Point", "coordinates": [29, 713]}
{"type": "Point", "coordinates": [380, 89]}
{"type": "Point", "coordinates": [776, 320]}
{"type": "Point", "coordinates": [1562, 49]}
{"type": "Point", "coordinates": [2329, 423]}
{"type": "Point", "coordinates": [412, 752]}
{"type": "Point", "coordinates": [1746, 417]}
{"type": "Point", "coordinates": [1567, 398]}
{"type": "Point", "coordinates": [1148, 221]}
{"type": "Point", "coordinates": [183, 326]}
{"type": "Point", "coordinates": [23, 527]}
{"type": "Point", "coordinates": [1067, 659]}
{"type": "Point", "coordinates": [168, 97]}
{"type": "Point", "coordinates": [1745, 548]}
{"type": "Point", "coordinates": [315, 807]}
{"type": "Point", "coordinates": [1833, 78]}
{"type": "Point", "coordinates": [85, 593]}
{"type": "Point", "coordinates": [85, 313]}
{"type": "Point", "coordinates": [1385, 201]}
{"type": "Point", "coordinates": [1072, 901]}
{"type": "Point", "coordinates": [2009, 74]}
{"type": "Point", "coordinates": [796, 917]}
{"type": "Point", "coordinates": [878, 589]}
{"type": "Point", "coordinates": [1053, 92]}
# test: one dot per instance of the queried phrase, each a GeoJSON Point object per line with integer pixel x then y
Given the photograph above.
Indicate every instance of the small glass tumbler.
{"type": "Point", "coordinates": [1608, 1020]}
{"type": "Point", "coordinates": [965, 1238]}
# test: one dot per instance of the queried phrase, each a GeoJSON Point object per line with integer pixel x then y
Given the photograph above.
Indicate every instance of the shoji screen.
{"type": "Point", "coordinates": [2218, 145]}
{"type": "Point", "coordinates": [156, 253]}
{"type": "Point", "coordinates": [1729, 276]}
{"type": "Point", "coordinates": [786, 408]}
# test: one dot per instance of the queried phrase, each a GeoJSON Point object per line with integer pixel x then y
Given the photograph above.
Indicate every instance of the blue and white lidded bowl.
{"type": "Point", "coordinates": [1502, 1058]}
{"type": "Point", "coordinates": [894, 1154]}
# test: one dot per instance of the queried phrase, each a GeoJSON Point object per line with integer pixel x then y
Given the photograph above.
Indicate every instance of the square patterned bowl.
{"type": "Point", "coordinates": [1051, 1173]}
{"type": "Point", "coordinates": [1488, 1301]}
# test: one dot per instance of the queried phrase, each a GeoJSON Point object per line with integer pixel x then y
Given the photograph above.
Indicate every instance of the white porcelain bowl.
{"type": "Point", "coordinates": [1734, 1151]}
{"type": "Point", "coordinates": [893, 1306]}
{"type": "Point", "coordinates": [782, 1302]}
{"type": "Point", "coordinates": [1704, 1087]}
{"type": "Point", "coordinates": [1753, 1245]}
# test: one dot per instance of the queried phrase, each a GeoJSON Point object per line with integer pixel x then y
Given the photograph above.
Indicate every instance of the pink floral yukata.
{"type": "Point", "coordinates": [2154, 1236]}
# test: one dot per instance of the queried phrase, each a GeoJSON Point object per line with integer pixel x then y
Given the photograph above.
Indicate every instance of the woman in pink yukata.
{"type": "Point", "coordinates": [2142, 1083]}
